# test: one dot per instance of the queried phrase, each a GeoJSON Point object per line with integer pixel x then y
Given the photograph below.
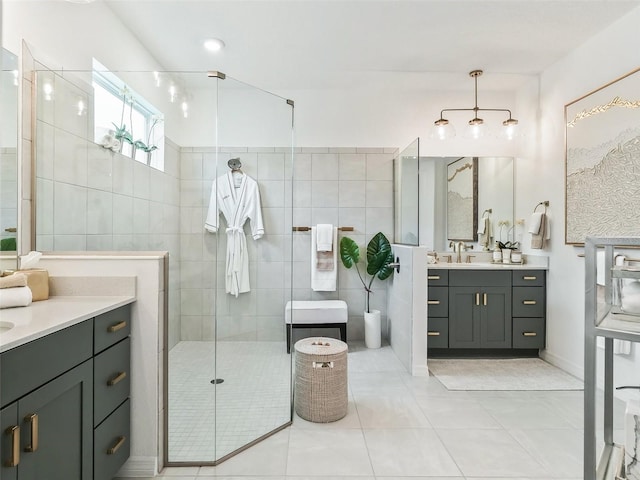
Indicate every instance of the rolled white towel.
{"type": "Point", "coordinates": [15, 297]}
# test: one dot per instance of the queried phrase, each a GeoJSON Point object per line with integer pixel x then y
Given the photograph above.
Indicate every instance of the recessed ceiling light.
{"type": "Point", "coordinates": [80, 1]}
{"type": "Point", "coordinates": [213, 44]}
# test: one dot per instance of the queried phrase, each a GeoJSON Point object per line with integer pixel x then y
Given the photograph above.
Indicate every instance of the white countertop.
{"type": "Point", "coordinates": [486, 266]}
{"type": "Point", "coordinates": [48, 316]}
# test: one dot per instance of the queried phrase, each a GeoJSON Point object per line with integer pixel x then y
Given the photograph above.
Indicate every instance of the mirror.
{"type": "Point", "coordinates": [462, 200]}
{"type": "Point", "coordinates": [493, 213]}
{"type": "Point", "coordinates": [9, 160]}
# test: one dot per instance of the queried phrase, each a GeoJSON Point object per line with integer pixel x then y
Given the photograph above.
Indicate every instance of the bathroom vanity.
{"type": "Point", "coordinates": [472, 308]}
{"type": "Point", "coordinates": [64, 388]}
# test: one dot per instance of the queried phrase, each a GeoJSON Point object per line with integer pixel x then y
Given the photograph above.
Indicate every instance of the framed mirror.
{"type": "Point", "coordinates": [462, 200]}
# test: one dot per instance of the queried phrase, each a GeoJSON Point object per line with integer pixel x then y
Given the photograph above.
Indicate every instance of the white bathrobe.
{"type": "Point", "coordinates": [238, 198]}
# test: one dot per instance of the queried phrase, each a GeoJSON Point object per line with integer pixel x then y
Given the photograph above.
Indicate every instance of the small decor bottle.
{"type": "Point", "coordinates": [497, 253]}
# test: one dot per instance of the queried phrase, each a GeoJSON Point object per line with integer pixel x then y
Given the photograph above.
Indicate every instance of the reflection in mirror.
{"type": "Point", "coordinates": [494, 207]}
{"type": "Point", "coordinates": [462, 200]}
{"type": "Point", "coordinates": [8, 160]}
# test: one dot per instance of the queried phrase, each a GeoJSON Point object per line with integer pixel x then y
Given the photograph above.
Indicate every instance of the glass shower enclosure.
{"type": "Point", "coordinates": [227, 376]}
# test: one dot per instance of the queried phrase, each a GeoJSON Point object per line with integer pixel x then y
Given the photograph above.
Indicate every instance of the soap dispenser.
{"type": "Point", "coordinates": [497, 254]}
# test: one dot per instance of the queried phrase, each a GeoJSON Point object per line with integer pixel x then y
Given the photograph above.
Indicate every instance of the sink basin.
{"type": "Point", "coordinates": [6, 326]}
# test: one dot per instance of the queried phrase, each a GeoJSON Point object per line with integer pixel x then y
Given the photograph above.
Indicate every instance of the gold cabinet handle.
{"type": "Point", "coordinates": [33, 421]}
{"type": "Point", "coordinates": [433, 334]}
{"type": "Point", "coordinates": [117, 379]}
{"type": "Point", "coordinates": [529, 334]}
{"type": "Point", "coordinates": [117, 446]}
{"type": "Point", "coordinates": [433, 277]}
{"type": "Point", "coordinates": [484, 299]}
{"type": "Point", "coordinates": [117, 326]}
{"type": "Point", "coordinates": [14, 431]}
{"type": "Point", "coordinates": [433, 302]}
{"type": "Point", "coordinates": [529, 277]}
{"type": "Point", "coordinates": [477, 299]}
{"type": "Point", "coordinates": [528, 302]}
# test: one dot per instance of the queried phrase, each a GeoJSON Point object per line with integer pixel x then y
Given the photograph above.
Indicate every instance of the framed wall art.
{"type": "Point", "coordinates": [602, 163]}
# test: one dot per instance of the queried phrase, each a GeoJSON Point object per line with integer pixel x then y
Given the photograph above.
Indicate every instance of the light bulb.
{"type": "Point", "coordinates": [510, 128]}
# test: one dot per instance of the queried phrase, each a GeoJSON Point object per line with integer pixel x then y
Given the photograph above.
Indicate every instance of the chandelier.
{"type": "Point", "coordinates": [442, 129]}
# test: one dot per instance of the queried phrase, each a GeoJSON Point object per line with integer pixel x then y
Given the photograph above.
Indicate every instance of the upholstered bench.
{"type": "Point", "coordinates": [316, 314]}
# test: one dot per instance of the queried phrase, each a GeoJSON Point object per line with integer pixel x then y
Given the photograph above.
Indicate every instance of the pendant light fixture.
{"type": "Point", "coordinates": [442, 129]}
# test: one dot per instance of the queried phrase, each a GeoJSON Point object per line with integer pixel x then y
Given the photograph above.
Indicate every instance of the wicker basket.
{"type": "Point", "coordinates": [321, 379]}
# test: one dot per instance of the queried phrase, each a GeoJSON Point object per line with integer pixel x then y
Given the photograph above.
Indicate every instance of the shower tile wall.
{"type": "Point", "coordinates": [8, 191]}
{"type": "Point", "coordinates": [343, 186]}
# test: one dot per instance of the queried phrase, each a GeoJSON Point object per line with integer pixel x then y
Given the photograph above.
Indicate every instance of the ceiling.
{"type": "Point", "coordinates": [420, 44]}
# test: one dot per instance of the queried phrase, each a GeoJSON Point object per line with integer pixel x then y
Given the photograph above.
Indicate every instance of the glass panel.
{"type": "Point", "coordinates": [254, 172]}
{"type": "Point", "coordinates": [8, 161]}
{"type": "Point", "coordinates": [406, 194]}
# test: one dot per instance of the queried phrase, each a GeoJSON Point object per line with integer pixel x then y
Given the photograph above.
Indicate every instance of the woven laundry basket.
{"type": "Point", "coordinates": [321, 379]}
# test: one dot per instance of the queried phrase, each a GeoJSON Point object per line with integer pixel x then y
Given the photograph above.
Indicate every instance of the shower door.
{"type": "Point", "coordinates": [253, 165]}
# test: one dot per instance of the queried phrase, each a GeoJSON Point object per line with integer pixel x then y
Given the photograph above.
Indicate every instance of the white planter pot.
{"type": "Point", "coordinates": [372, 331]}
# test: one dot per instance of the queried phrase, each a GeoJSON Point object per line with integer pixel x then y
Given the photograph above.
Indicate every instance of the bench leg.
{"type": "Point", "coordinates": [343, 332]}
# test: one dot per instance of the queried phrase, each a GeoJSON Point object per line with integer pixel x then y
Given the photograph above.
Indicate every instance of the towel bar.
{"type": "Point", "coordinates": [307, 229]}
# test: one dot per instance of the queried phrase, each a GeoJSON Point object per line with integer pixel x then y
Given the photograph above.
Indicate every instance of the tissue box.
{"type": "Point", "coordinates": [38, 282]}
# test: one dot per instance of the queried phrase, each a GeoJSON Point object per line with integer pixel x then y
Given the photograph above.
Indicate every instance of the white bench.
{"type": "Point", "coordinates": [316, 314]}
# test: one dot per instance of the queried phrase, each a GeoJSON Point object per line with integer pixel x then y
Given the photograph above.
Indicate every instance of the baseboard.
{"type": "Point", "coordinates": [420, 371]}
{"type": "Point", "coordinates": [558, 361]}
{"type": "Point", "coordinates": [137, 467]}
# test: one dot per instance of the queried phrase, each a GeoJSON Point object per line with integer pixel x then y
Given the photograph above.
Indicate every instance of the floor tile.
{"type": "Point", "coordinates": [328, 452]}
{"type": "Point", "coordinates": [489, 453]}
{"type": "Point", "coordinates": [522, 412]}
{"type": "Point", "coordinates": [559, 451]}
{"type": "Point", "coordinates": [351, 420]}
{"type": "Point", "coordinates": [386, 411]}
{"type": "Point", "coordinates": [268, 457]}
{"type": "Point", "coordinates": [456, 412]}
{"type": "Point", "coordinates": [409, 452]}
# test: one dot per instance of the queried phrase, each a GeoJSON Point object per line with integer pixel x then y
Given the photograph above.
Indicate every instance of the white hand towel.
{"type": "Point", "coordinates": [621, 347]}
{"type": "Point", "coordinates": [482, 225]}
{"type": "Point", "coordinates": [15, 297]}
{"type": "Point", "coordinates": [324, 237]}
{"type": "Point", "coordinates": [323, 280]}
{"type": "Point", "coordinates": [535, 222]}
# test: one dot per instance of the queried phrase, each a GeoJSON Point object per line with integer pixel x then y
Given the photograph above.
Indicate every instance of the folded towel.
{"type": "Point", "coordinates": [323, 280]}
{"type": "Point", "coordinates": [535, 222]}
{"type": "Point", "coordinates": [15, 280]}
{"type": "Point", "coordinates": [324, 237]}
{"type": "Point", "coordinates": [324, 261]}
{"type": "Point", "coordinates": [482, 225]}
{"type": "Point", "coordinates": [15, 297]}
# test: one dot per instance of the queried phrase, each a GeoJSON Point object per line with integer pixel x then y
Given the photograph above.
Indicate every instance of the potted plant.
{"type": "Point", "coordinates": [379, 257]}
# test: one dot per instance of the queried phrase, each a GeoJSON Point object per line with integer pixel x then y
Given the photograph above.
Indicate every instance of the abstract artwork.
{"type": "Point", "coordinates": [602, 189]}
{"type": "Point", "coordinates": [462, 200]}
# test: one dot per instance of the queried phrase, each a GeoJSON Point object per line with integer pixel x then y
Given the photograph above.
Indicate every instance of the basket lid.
{"type": "Point", "coordinates": [320, 346]}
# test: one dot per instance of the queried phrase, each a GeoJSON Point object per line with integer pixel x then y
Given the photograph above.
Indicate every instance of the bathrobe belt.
{"type": "Point", "coordinates": [236, 247]}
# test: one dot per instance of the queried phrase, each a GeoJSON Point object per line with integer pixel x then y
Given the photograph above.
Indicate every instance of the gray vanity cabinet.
{"type": "Point", "coordinates": [529, 309]}
{"type": "Point", "coordinates": [438, 309]}
{"type": "Point", "coordinates": [60, 399]}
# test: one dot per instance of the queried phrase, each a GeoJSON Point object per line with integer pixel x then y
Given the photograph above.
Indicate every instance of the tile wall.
{"type": "Point", "coordinates": [8, 191]}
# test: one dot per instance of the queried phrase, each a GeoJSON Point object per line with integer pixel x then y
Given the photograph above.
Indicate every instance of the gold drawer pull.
{"type": "Point", "coordinates": [33, 421]}
{"type": "Point", "coordinates": [433, 277]}
{"type": "Point", "coordinates": [433, 302]}
{"type": "Point", "coordinates": [530, 334]}
{"type": "Point", "coordinates": [14, 431]}
{"type": "Point", "coordinates": [528, 302]}
{"type": "Point", "coordinates": [484, 299]}
{"type": "Point", "coordinates": [117, 326]}
{"type": "Point", "coordinates": [117, 379]}
{"type": "Point", "coordinates": [477, 299]}
{"type": "Point", "coordinates": [117, 446]}
{"type": "Point", "coordinates": [529, 277]}
{"type": "Point", "coordinates": [433, 334]}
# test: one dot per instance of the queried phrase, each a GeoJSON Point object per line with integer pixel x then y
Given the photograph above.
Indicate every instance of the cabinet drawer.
{"type": "Point", "coordinates": [438, 277]}
{"type": "Point", "coordinates": [112, 440]}
{"type": "Point", "coordinates": [438, 333]}
{"type": "Point", "coordinates": [29, 366]}
{"type": "Point", "coordinates": [528, 278]}
{"type": "Point", "coordinates": [111, 379]}
{"type": "Point", "coordinates": [528, 302]}
{"type": "Point", "coordinates": [111, 327]}
{"type": "Point", "coordinates": [438, 301]}
{"type": "Point", "coordinates": [479, 278]}
{"type": "Point", "coordinates": [528, 332]}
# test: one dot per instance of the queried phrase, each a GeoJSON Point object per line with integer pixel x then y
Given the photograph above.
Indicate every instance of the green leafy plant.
{"type": "Point", "coordinates": [379, 256]}
{"type": "Point", "coordinates": [121, 133]}
{"type": "Point", "coordinates": [509, 245]}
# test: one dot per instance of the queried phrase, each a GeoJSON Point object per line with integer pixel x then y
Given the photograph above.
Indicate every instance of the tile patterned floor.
{"type": "Point", "coordinates": [400, 427]}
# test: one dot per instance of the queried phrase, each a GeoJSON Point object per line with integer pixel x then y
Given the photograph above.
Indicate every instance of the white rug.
{"type": "Point", "coordinates": [501, 374]}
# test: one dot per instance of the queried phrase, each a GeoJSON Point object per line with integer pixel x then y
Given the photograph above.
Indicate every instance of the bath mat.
{"type": "Point", "coordinates": [501, 374]}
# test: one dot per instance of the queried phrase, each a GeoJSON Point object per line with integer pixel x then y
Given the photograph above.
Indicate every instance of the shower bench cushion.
{"type": "Point", "coordinates": [316, 314]}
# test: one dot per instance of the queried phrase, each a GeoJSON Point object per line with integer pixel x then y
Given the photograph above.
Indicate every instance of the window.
{"type": "Point", "coordinates": [120, 111]}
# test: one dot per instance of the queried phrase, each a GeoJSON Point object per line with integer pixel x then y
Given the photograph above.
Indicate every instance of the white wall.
{"type": "Point", "coordinates": [540, 176]}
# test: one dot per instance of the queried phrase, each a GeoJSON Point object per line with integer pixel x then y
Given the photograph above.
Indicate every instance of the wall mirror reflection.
{"type": "Point", "coordinates": [8, 160]}
{"type": "Point", "coordinates": [462, 200]}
